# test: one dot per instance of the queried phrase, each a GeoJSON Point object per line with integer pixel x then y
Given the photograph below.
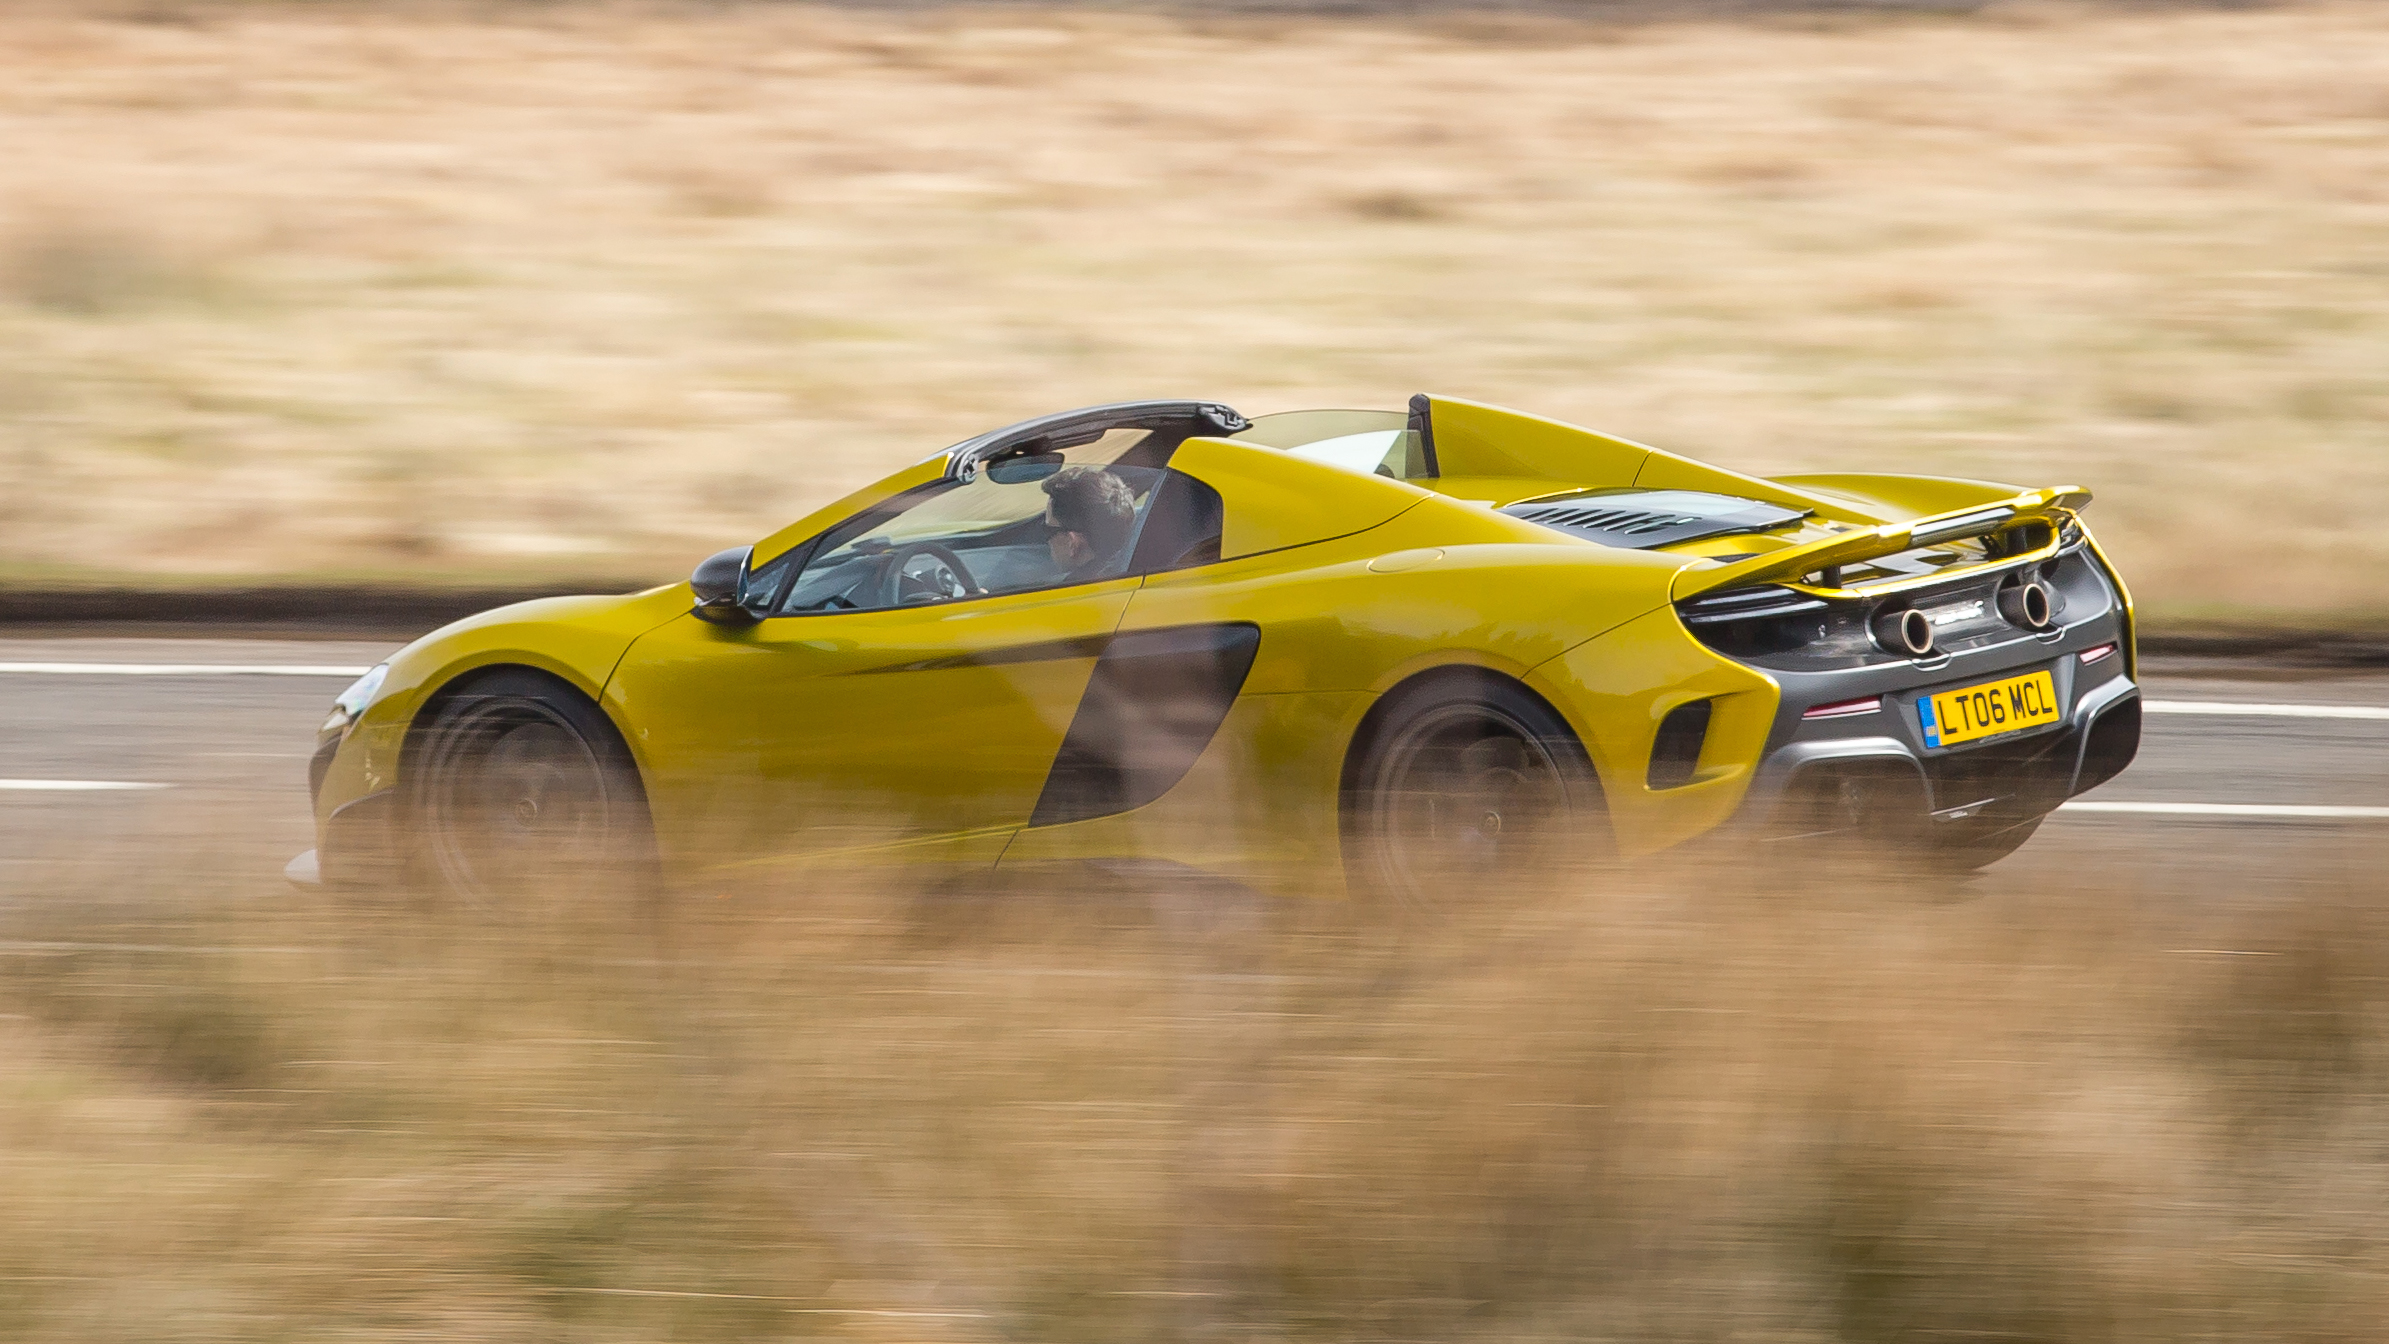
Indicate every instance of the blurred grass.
{"type": "Point", "coordinates": [442, 294]}
{"type": "Point", "coordinates": [1676, 1102]}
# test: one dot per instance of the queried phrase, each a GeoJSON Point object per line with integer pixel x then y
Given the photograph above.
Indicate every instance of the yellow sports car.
{"type": "Point", "coordinates": [1387, 649]}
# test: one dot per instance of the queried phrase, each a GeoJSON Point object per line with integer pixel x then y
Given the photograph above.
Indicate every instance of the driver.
{"type": "Point", "coordinates": [1091, 512]}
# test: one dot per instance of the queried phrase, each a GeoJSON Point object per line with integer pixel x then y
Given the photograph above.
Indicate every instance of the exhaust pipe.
{"type": "Point", "coordinates": [1907, 632]}
{"type": "Point", "coordinates": [2028, 604]}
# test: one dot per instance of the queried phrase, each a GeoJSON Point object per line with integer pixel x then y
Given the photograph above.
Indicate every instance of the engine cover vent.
{"type": "Point", "coordinates": [1639, 520]}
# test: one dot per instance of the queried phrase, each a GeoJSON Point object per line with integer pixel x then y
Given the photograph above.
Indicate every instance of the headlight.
{"type": "Point", "coordinates": [350, 706]}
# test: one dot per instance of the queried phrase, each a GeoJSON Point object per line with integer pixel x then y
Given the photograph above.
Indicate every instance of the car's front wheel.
{"type": "Point", "coordinates": [522, 792]}
{"type": "Point", "coordinates": [1465, 785]}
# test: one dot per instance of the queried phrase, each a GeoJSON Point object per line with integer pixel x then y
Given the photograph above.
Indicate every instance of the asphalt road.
{"type": "Point", "coordinates": [211, 751]}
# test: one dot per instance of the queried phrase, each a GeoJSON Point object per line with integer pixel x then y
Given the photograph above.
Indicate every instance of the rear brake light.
{"type": "Point", "coordinates": [1842, 709]}
{"type": "Point", "coordinates": [2090, 656]}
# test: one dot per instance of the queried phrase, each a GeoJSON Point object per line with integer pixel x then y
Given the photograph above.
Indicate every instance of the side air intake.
{"type": "Point", "coordinates": [1676, 751]}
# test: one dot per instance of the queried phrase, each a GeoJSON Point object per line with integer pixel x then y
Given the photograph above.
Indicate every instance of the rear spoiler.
{"type": "Point", "coordinates": [2055, 507]}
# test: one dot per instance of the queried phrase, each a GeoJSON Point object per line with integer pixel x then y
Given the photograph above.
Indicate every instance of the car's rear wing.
{"type": "Point", "coordinates": [2034, 524]}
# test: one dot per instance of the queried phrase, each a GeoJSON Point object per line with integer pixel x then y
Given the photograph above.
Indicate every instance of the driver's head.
{"type": "Point", "coordinates": [1090, 511]}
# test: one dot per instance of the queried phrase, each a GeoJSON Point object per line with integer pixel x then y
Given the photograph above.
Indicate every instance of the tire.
{"type": "Point", "coordinates": [521, 792]}
{"type": "Point", "coordinates": [1467, 782]}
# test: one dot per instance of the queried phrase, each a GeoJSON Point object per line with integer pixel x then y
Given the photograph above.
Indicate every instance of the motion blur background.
{"type": "Point", "coordinates": [541, 293]}
{"type": "Point", "coordinates": [549, 294]}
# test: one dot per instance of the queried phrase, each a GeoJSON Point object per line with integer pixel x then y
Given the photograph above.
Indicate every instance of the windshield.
{"type": "Point", "coordinates": [1037, 521]}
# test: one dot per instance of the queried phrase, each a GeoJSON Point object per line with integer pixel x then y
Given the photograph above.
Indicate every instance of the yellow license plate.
{"type": "Point", "coordinates": [1995, 707]}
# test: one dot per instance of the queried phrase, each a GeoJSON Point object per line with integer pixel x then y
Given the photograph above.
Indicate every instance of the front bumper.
{"type": "Point", "coordinates": [357, 843]}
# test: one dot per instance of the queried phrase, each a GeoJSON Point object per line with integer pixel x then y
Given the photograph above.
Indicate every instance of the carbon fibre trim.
{"type": "Point", "coordinates": [1066, 428]}
{"type": "Point", "coordinates": [1044, 651]}
{"type": "Point", "coordinates": [1422, 424]}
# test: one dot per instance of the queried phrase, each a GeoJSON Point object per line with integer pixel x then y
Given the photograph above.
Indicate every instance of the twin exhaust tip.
{"type": "Point", "coordinates": [1905, 630]}
{"type": "Point", "coordinates": [1909, 632]}
{"type": "Point", "coordinates": [2028, 604]}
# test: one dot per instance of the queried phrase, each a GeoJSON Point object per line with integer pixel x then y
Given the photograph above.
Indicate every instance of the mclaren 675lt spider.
{"type": "Point", "coordinates": [1314, 651]}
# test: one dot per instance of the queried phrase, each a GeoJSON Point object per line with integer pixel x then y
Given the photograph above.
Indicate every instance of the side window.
{"type": "Point", "coordinates": [1046, 520]}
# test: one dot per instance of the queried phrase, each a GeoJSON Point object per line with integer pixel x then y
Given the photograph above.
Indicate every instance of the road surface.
{"type": "Point", "coordinates": [149, 751]}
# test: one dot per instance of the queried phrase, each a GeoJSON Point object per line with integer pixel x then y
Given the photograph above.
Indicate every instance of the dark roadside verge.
{"type": "Point", "coordinates": [281, 611]}
{"type": "Point", "coordinates": [380, 611]}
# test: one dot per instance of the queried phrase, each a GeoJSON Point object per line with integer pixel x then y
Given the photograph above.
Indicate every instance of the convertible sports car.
{"type": "Point", "coordinates": [1389, 648]}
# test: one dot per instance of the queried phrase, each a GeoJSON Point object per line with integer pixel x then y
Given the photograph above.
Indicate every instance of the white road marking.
{"type": "Point", "coordinates": [2218, 708]}
{"type": "Point", "coordinates": [2236, 709]}
{"type": "Point", "coordinates": [187, 669]}
{"type": "Point", "coordinates": [72, 785]}
{"type": "Point", "coordinates": [2239, 811]}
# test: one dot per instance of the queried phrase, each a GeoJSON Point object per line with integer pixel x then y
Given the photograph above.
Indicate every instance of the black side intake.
{"type": "Point", "coordinates": [1676, 752]}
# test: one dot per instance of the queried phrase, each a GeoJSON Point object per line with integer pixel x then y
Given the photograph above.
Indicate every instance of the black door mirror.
{"type": "Point", "coordinates": [720, 584]}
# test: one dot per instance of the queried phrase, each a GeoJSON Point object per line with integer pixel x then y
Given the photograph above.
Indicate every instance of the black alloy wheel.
{"type": "Point", "coordinates": [523, 792]}
{"type": "Point", "coordinates": [1469, 785]}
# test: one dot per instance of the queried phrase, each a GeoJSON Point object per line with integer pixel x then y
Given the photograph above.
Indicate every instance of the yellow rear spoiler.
{"type": "Point", "coordinates": [2055, 506]}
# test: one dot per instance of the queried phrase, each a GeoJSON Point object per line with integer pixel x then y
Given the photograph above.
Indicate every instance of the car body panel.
{"type": "Point", "coordinates": [1618, 688]}
{"type": "Point", "coordinates": [1493, 453]}
{"type": "Point", "coordinates": [576, 639]}
{"type": "Point", "coordinates": [1335, 624]}
{"type": "Point", "coordinates": [1867, 543]}
{"type": "Point", "coordinates": [1259, 807]}
{"type": "Point", "coordinates": [1274, 502]}
{"type": "Point", "coordinates": [1884, 498]}
{"type": "Point", "coordinates": [2130, 643]}
{"type": "Point", "coordinates": [852, 730]}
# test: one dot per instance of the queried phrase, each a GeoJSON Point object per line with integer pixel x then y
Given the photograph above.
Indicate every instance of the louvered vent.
{"type": "Point", "coordinates": [1642, 519]}
{"type": "Point", "coordinates": [1624, 522]}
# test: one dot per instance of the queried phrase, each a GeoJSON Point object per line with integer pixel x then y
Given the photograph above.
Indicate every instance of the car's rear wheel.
{"type": "Point", "coordinates": [523, 794]}
{"type": "Point", "coordinates": [1467, 785]}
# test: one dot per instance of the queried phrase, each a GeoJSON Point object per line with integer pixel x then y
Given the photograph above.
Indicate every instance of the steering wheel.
{"type": "Point", "coordinates": [924, 571]}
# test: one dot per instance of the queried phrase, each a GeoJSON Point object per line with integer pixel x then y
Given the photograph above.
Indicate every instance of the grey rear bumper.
{"type": "Point", "coordinates": [1878, 759]}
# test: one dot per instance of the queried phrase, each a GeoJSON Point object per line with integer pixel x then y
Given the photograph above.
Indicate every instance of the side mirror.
{"type": "Point", "coordinates": [720, 584]}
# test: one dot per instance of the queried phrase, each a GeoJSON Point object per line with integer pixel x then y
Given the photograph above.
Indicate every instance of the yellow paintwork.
{"type": "Point", "coordinates": [1286, 501]}
{"type": "Point", "coordinates": [1617, 688]}
{"type": "Point", "coordinates": [1260, 806]}
{"type": "Point", "coordinates": [749, 736]}
{"type": "Point", "coordinates": [1884, 499]}
{"type": "Point", "coordinates": [913, 732]}
{"type": "Point", "coordinates": [1488, 442]}
{"type": "Point", "coordinates": [579, 639]}
{"type": "Point", "coordinates": [1486, 452]}
{"type": "Point", "coordinates": [2054, 506]}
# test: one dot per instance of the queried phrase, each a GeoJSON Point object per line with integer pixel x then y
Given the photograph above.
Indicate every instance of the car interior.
{"type": "Point", "coordinates": [989, 535]}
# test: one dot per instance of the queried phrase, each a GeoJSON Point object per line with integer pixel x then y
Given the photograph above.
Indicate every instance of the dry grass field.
{"type": "Point", "coordinates": [446, 293]}
{"type": "Point", "coordinates": [1665, 1106]}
